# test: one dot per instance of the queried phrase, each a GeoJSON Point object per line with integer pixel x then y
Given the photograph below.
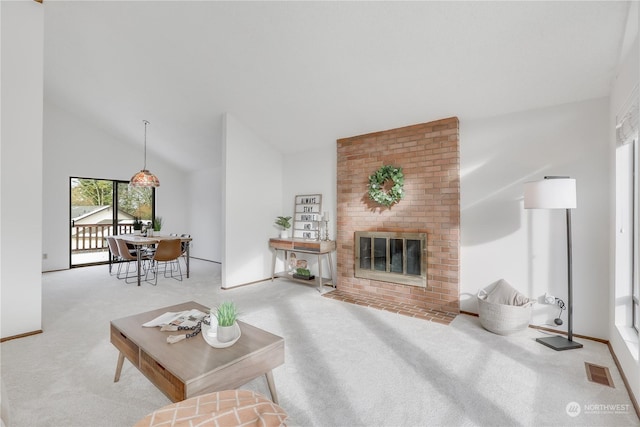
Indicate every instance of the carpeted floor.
{"type": "Point", "coordinates": [346, 365]}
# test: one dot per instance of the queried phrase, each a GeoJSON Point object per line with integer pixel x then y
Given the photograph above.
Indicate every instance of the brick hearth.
{"type": "Point", "coordinates": [411, 310]}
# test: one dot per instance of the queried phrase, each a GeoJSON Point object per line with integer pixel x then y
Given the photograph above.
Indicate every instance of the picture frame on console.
{"type": "Point", "coordinates": [307, 216]}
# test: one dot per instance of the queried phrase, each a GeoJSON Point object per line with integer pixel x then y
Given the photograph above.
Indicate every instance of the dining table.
{"type": "Point", "coordinates": [139, 241]}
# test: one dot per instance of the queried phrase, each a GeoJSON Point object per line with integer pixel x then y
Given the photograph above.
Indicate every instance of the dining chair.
{"type": "Point", "coordinates": [184, 246]}
{"type": "Point", "coordinates": [129, 256]}
{"type": "Point", "coordinates": [173, 235]}
{"type": "Point", "coordinates": [168, 252]}
{"type": "Point", "coordinates": [115, 254]}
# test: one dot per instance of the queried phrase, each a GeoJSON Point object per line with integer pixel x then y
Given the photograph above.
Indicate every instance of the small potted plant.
{"type": "Point", "coordinates": [227, 314]}
{"type": "Point", "coordinates": [137, 226]}
{"type": "Point", "coordinates": [284, 222]}
{"type": "Point", "coordinates": [303, 273]}
{"type": "Point", "coordinates": [157, 224]}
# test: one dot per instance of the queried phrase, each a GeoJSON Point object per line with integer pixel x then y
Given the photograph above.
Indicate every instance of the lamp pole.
{"type": "Point", "coordinates": [570, 277]}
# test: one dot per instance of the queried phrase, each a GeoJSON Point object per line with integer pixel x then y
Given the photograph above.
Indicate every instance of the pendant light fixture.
{"type": "Point", "coordinates": [144, 178]}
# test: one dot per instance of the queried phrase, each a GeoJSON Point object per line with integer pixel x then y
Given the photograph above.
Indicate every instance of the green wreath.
{"type": "Point", "coordinates": [377, 192]}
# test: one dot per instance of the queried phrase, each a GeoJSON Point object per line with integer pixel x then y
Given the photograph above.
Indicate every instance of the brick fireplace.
{"type": "Point", "coordinates": [430, 157]}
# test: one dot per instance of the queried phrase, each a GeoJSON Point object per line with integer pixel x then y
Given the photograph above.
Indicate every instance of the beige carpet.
{"type": "Point", "coordinates": [346, 365]}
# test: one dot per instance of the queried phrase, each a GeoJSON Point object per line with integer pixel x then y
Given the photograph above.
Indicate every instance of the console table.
{"type": "Point", "coordinates": [303, 246]}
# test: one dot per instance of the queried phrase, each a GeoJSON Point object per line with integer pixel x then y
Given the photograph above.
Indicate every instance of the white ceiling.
{"type": "Point", "coordinates": [303, 74]}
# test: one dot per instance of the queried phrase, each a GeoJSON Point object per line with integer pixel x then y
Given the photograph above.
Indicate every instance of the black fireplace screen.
{"type": "Point", "coordinates": [392, 257]}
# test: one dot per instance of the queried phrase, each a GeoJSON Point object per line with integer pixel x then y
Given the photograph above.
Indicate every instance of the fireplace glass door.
{"type": "Point", "coordinates": [392, 257]}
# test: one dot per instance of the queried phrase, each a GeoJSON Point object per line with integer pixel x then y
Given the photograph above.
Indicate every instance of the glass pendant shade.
{"type": "Point", "coordinates": [144, 178]}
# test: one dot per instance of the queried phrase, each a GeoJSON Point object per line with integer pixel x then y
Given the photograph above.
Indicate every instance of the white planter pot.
{"type": "Point", "coordinates": [284, 234]}
{"type": "Point", "coordinates": [227, 333]}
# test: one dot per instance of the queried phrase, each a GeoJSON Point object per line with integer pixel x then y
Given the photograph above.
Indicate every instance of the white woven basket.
{"type": "Point", "coordinates": [503, 319]}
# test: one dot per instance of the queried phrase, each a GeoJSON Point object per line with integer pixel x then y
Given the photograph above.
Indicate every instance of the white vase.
{"type": "Point", "coordinates": [227, 333]}
{"type": "Point", "coordinates": [284, 234]}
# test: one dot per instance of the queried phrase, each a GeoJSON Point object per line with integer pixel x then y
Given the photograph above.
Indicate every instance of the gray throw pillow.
{"type": "Point", "coordinates": [504, 293]}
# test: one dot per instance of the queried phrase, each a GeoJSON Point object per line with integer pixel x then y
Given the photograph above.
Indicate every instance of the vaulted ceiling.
{"type": "Point", "coordinates": [303, 74]}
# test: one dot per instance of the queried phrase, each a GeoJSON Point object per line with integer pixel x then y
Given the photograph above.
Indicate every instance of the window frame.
{"type": "Point", "coordinates": [115, 198]}
{"type": "Point", "coordinates": [635, 240]}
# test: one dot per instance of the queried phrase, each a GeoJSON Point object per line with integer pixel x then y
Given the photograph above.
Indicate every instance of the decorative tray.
{"type": "Point", "coordinates": [209, 333]}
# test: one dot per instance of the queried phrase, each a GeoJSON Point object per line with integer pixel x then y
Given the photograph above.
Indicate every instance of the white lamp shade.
{"type": "Point", "coordinates": [550, 193]}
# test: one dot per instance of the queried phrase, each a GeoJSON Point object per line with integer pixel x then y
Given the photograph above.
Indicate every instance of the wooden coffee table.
{"type": "Point", "coordinates": [192, 367]}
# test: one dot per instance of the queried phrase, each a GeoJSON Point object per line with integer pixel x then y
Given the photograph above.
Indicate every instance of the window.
{"type": "Point", "coordinates": [635, 232]}
{"type": "Point", "coordinates": [93, 217]}
{"type": "Point", "coordinates": [627, 211]}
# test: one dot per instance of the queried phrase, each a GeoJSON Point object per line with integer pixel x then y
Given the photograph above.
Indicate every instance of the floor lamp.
{"type": "Point", "coordinates": [556, 192]}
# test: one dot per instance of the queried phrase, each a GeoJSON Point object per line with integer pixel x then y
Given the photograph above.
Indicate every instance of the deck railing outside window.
{"type": "Point", "coordinates": [93, 237]}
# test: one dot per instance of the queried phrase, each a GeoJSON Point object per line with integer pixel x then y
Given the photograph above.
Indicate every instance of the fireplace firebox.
{"type": "Point", "coordinates": [394, 257]}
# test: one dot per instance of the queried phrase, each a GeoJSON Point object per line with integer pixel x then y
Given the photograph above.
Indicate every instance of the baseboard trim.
{"type": "Point", "coordinates": [207, 260]}
{"type": "Point", "coordinates": [53, 271]}
{"type": "Point", "coordinates": [554, 331]}
{"type": "Point", "coordinates": [634, 401]}
{"type": "Point", "coordinates": [246, 284]}
{"type": "Point", "coordinates": [15, 337]}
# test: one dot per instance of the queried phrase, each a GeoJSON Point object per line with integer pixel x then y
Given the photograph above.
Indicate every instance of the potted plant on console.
{"type": "Point", "coordinates": [284, 222]}
{"type": "Point", "coordinates": [227, 314]}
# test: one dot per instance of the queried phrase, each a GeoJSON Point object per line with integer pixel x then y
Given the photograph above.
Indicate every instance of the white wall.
{"type": "Point", "coordinates": [252, 199]}
{"type": "Point", "coordinates": [205, 213]}
{"type": "Point", "coordinates": [74, 147]}
{"type": "Point", "coordinates": [499, 239]}
{"type": "Point", "coordinates": [623, 339]}
{"type": "Point", "coordinates": [312, 172]}
{"type": "Point", "coordinates": [22, 39]}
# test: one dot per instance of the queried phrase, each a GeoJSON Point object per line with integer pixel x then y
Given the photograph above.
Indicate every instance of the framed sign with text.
{"type": "Point", "coordinates": [307, 216]}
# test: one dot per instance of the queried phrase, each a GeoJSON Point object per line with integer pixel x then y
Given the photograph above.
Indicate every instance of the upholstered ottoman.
{"type": "Point", "coordinates": [223, 408]}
